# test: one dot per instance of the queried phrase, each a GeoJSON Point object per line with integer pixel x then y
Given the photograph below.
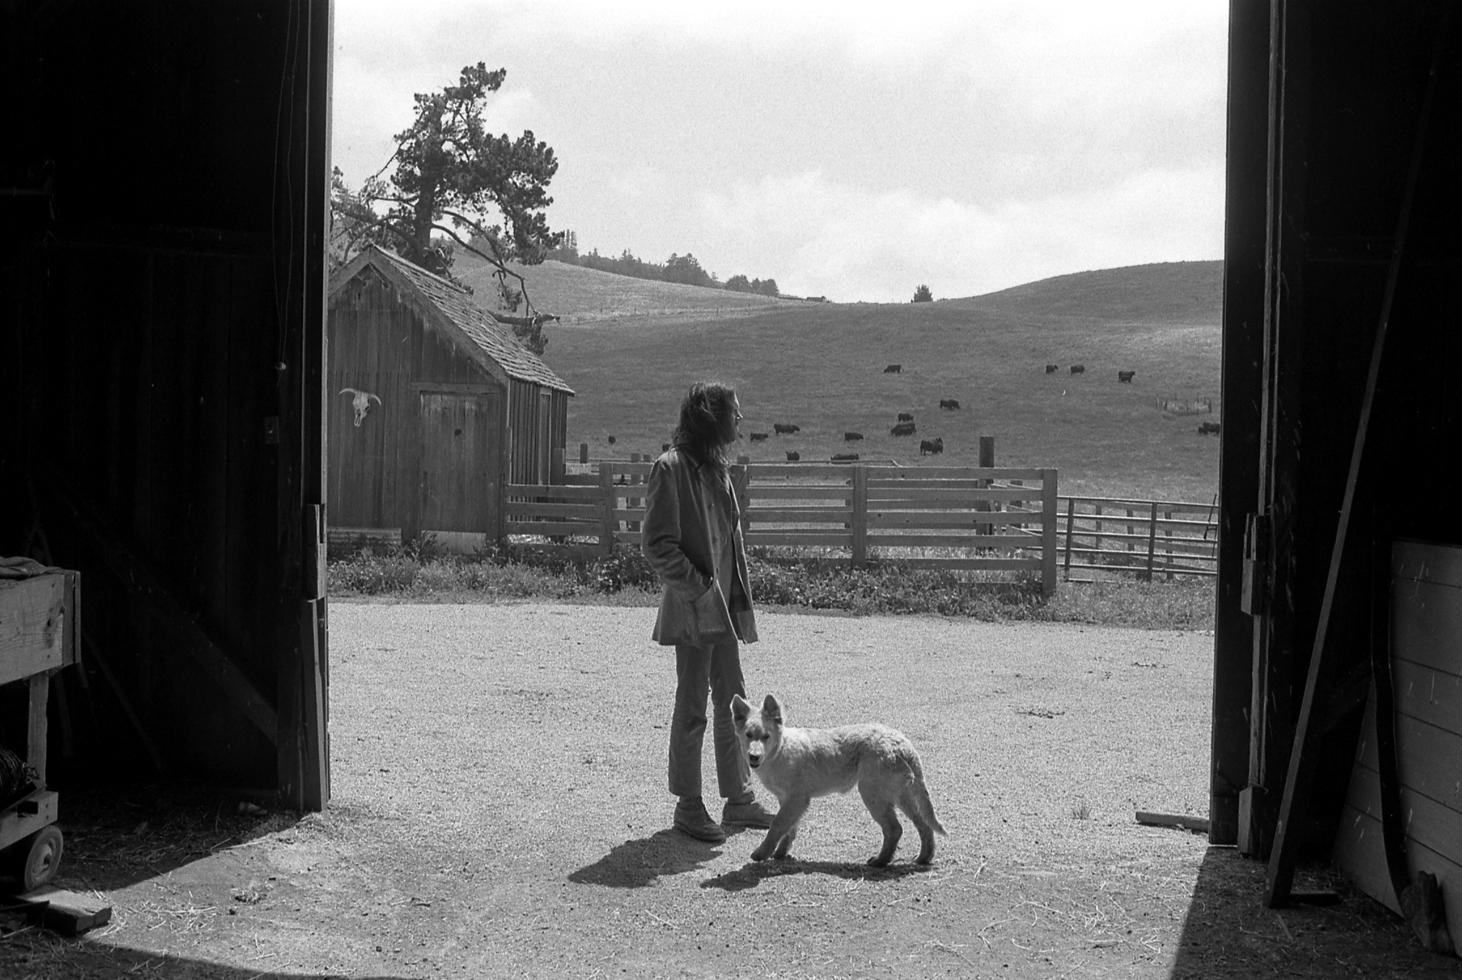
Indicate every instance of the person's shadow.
{"type": "Point", "coordinates": [637, 863]}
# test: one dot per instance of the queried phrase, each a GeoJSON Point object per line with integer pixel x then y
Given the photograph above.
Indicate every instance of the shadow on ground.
{"type": "Point", "coordinates": [123, 835]}
{"type": "Point", "coordinates": [1229, 933]}
{"type": "Point", "coordinates": [638, 863]}
{"type": "Point", "coordinates": [753, 874]}
{"type": "Point", "coordinates": [80, 959]}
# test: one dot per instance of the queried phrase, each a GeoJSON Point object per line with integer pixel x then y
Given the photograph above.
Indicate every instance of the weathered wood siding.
{"type": "Point", "coordinates": [1426, 667]}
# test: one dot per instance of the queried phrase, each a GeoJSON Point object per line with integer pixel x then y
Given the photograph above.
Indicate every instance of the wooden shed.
{"type": "Point", "coordinates": [434, 406]}
{"type": "Point", "coordinates": [1337, 729]}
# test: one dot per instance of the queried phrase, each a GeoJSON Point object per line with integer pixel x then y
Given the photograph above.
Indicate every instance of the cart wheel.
{"type": "Point", "coordinates": [42, 858]}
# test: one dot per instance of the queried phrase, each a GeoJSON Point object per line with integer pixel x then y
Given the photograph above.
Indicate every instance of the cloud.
{"type": "Point", "coordinates": [817, 237]}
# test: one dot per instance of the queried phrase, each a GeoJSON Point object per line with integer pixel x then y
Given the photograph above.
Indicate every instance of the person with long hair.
{"type": "Point", "coordinates": [692, 538]}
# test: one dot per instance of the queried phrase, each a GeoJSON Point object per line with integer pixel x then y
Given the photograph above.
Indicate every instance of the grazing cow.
{"type": "Point", "coordinates": [1078, 369]}
{"type": "Point", "coordinates": [902, 429]}
{"type": "Point", "coordinates": [793, 455]}
{"type": "Point", "coordinates": [1125, 377]}
{"type": "Point", "coordinates": [934, 446]}
{"type": "Point", "coordinates": [1208, 428]}
{"type": "Point", "coordinates": [611, 440]}
{"type": "Point", "coordinates": [894, 369]}
{"type": "Point", "coordinates": [845, 457]}
{"type": "Point", "coordinates": [906, 416]}
{"type": "Point", "coordinates": [758, 436]}
{"type": "Point", "coordinates": [1052, 368]}
{"type": "Point", "coordinates": [950, 404]}
{"type": "Point", "coordinates": [852, 436]}
{"type": "Point", "coordinates": [785, 428]}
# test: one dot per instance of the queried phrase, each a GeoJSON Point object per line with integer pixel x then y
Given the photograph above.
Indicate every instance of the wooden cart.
{"type": "Point", "coordinates": [38, 636]}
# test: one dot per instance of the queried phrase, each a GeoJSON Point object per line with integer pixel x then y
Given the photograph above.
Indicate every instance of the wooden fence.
{"type": "Point", "coordinates": [1148, 538]}
{"type": "Point", "coordinates": [987, 519]}
{"type": "Point", "coordinates": [991, 519]}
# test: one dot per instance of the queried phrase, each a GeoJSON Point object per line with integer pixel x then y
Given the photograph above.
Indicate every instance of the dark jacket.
{"type": "Point", "coordinates": [688, 507]}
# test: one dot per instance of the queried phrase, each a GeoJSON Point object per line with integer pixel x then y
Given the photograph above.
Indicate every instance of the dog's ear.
{"type": "Point", "coordinates": [740, 708]}
{"type": "Point", "coordinates": [772, 708]}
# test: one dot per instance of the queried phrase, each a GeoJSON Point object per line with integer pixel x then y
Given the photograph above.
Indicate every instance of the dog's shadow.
{"type": "Point", "coordinates": [754, 873]}
{"type": "Point", "coordinates": [638, 863]}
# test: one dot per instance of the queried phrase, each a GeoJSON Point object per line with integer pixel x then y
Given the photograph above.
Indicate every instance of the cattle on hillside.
{"type": "Point", "coordinates": [1208, 428]}
{"type": "Point", "coordinates": [902, 429]}
{"type": "Point", "coordinates": [1078, 369]}
{"type": "Point", "coordinates": [785, 428]}
{"type": "Point", "coordinates": [845, 457]}
{"type": "Point", "coordinates": [793, 455]}
{"type": "Point", "coordinates": [894, 369]}
{"type": "Point", "coordinates": [852, 436]}
{"type": "Point", "coordinates": [906, 416]}
{"type": "Point", "coordinates": [949, 404]}
{"type": "Point", "coordinates": [758, 436]}
{"type": "Point", "coordinates": [1052, 368]}
{"type": "Point", "coordinates": [931, 446]}
{"type": "Point", "coordinates": [1125, 377]}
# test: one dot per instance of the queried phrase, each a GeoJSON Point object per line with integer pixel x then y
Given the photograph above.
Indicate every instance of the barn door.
{"type": "Point", "coordinates": [460, 461]}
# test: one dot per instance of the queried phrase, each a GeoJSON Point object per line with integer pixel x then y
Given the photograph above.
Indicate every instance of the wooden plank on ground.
{"type": "Point", "coordinates": [67, 912]}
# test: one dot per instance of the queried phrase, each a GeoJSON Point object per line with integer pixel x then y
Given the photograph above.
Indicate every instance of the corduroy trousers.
{"type": "Point", "coordinates": [713, 670]}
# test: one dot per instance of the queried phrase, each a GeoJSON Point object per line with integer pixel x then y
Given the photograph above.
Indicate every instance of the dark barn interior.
{"type": "Point", "coordinates": [163, 182]}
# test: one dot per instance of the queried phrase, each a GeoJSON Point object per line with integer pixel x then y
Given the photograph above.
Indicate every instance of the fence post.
{"type": "Point", "coordinates": [860, 514]}
{"type": "Point", "coordinates": [606, 501]}
{"type": "Point", "coordinates": [987, 461]}
{"type": "Point", "coordinates": [1048, 533]}
{"type": "Point", "coordinates": [1151, 540]}
{"type": "Point", "coordinates": [1168, 533]}
{"type": "Point", "coordinates": [1070, 519]}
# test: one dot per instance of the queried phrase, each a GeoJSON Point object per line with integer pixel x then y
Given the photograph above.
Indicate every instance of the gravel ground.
{"type": "Point", "coordinates": [499, 809]}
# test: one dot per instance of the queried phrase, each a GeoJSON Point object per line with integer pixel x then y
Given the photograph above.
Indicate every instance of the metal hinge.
{"type": "Point", "coordinates": [1253, 599]}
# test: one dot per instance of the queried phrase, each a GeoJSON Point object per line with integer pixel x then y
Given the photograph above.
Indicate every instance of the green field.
{"type": "Point", "coordinates": [630, 349]}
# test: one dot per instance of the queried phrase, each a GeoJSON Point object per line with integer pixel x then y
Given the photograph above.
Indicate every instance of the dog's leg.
{"type": "Point", "coordinates": [910, 804]}
{"type": "Point", "coordinates": [884, 815]}
{"type": "Point", "coordinates": [783, 829]}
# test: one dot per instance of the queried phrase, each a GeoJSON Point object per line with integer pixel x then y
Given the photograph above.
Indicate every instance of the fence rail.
{"type": "Point", "coordinates": [991, 519]}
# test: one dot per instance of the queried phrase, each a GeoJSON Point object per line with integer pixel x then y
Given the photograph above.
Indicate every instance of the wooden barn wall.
{"type": "Point", "coordinates": [1426, 669]}
{"type": "Point", "coordinates": [440, 412]}
{"type": "Point", "coordinates": [1348, 83]}
{"type": "Point", "coordinates": [538, 425]}
{"type": "Point", "coordinates": [161, 347]}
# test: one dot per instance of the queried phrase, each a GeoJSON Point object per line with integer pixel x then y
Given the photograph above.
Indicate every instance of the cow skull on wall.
{"type": "Point", "coordinates": [361, 402]}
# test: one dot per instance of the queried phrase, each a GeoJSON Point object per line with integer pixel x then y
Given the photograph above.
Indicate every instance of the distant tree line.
{"type": "Point", "coordinates": [678, 268]}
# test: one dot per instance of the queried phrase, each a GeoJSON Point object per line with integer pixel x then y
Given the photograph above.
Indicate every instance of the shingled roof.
{"type": "Point", "coordinates": [452, 305]}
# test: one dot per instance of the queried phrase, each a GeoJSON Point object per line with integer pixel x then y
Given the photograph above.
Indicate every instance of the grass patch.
{"type": "Point", "coordinates": [784, 580]}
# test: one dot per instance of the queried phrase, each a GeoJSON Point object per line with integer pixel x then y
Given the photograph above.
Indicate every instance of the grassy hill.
{"type": "Point", "coordinates": [580, 295]}
{"type": "Point", "coordinates": [820, 365]}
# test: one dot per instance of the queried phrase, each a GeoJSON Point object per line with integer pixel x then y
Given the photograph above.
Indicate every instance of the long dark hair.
{"type": "Point", "coordinates": [701, 431]}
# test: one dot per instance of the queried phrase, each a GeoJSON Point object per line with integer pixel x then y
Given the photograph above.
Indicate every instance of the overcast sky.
{"type": "Point", "coordinates": [848, 149]}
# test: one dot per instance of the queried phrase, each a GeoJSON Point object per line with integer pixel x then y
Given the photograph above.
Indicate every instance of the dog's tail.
{"type": "Point", "coordinates": [921, 798]}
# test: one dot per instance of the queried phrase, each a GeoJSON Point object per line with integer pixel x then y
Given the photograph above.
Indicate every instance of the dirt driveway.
{"type": "Point", "coordinates": [499, 810]}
